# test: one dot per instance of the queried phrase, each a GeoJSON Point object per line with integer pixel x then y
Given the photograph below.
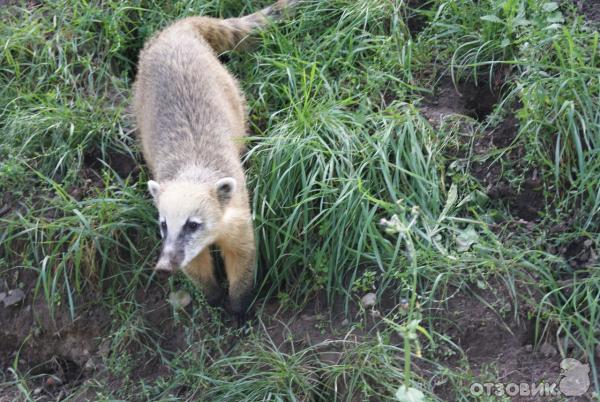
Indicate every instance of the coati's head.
{"type": "Point", "coordinates": [189, 218]}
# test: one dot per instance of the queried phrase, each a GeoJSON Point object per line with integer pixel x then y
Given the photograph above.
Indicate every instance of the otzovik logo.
{"type": "Point", "coordinates": [574, 380]}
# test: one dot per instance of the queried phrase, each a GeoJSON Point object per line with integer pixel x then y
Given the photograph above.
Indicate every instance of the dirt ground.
{"type": "Point", "coordinates": [477, 102]}
{"type": "Point", "coordinates": [502, 345]}
{"type": "Point", "coordinates": [63, 354]}
{"type": "Point", "coordinates": [589, 8]}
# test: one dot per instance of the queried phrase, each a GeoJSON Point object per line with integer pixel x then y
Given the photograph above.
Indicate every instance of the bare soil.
{"type": "Point", "coordinates": [498, 345]}
{"type": "Point", "coordinates": [477, 102]}
{"type": "Point", "coordinates": [47, 343]}
{"type": "Point", "coordinates": [590, 9]}
{"type": "Point", "coordinates": [496, 338]}
{"type": "Point", "coordinates": [63, 353]}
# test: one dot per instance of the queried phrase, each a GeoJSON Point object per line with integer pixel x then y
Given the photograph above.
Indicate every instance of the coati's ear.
{"type": "Point", "coordinates": [225, 188]}
{"type": "Point", "coordinates": [153, 188]}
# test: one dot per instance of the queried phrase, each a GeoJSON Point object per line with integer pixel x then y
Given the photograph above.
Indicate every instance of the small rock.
{"type": "Point", "coordinates": [369, 300]}
{"type": "Point", "coordinates": [53, 380]}
{"type": "Point", "coordinates": [345, 323]}
{"type": "Point", "coordinates": [13, 297]}
{"type": "Point", "coordinates": [528, 348]}
{"type": "Point", "coordinates": [89, 365]}
{"type": "Point", "coordinates": [547, 350]}
{"type": "Point", "coordinates": [180, 299]}
{"type": "Point", "coordinates": [37, 391]}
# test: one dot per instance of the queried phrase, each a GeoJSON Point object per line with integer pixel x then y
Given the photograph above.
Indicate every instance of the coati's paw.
{"type": "Point", "coordinates": [244, 324]}
{"type": "Point", "coordinates": [241, 315]}
{"type": "Point", "coordinates": [240, 306]}
{"type": "Point", "coordinates": [243, 321]}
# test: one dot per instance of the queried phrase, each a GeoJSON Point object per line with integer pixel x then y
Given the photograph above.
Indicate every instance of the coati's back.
{"type": "Point", "coordinates": [189, 109]}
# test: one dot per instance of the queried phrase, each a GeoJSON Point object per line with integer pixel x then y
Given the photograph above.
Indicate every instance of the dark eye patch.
{"type": "Point", "coordinates": [191, 226]}
{"type": "Point", "coordinates": [163, 228]}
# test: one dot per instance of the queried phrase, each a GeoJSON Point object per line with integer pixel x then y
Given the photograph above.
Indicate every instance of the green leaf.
{"type": "Point", "coordinates": [492, 18]}
{"type": "Point", "coordinates": [557, 17]}
{"type": "Point", "coordinates": [551, 6]}
{"type": "Point", "coordinates": [410, 394]}
{"type": "Point", "coordinates": [450, 201]}
{"type": "Point", "coordinates": [520, 22]}
{"type": "Point", "coordinates": [466, 239]}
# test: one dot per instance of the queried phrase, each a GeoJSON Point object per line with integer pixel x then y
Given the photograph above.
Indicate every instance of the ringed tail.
{"type": "Point", "coordinates": [233, 33]}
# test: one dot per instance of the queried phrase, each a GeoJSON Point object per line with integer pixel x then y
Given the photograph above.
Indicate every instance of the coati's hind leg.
{"type": "Point", "coordinates": [238, 251]}
{"type": "Point", "coordinates": [201, 271]}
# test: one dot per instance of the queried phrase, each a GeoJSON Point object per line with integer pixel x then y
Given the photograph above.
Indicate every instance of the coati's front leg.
{"type": "Point", "coordinates": [202, 272]}
{"type": "Point", "coordinates": [238, 251]}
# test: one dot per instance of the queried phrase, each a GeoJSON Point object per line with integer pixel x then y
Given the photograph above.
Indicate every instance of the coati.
{"type": "Point", "coordinates": [191, 118]}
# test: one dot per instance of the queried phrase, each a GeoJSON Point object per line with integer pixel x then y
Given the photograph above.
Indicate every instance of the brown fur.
{"type": "Point", "coordinates": [191, 116]}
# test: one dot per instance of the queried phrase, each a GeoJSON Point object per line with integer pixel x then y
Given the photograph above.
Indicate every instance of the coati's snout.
{"type": "Point", "coordinates": [190, 217]}
{"type": "Point", "coordinates": [180, 248]}
{"type": "Point", "coordinates": [170, 259]}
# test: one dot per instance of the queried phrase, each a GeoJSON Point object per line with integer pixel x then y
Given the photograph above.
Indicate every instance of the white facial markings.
{"type": "Point", "coordinates": [183, 236]}
{"type": "Point", "coordinates": [191, 212]}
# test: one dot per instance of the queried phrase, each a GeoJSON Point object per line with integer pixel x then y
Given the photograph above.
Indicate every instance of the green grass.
{"type": "Point", "coordinates": [338, 143]}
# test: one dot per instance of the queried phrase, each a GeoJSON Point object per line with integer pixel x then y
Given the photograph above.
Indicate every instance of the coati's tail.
{"type": "Point", "coordinates": [234, 33]}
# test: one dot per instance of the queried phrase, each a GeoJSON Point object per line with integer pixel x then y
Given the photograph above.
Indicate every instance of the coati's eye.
{"type": "Point", "coordinates": [192, 226]}
{"type": "Point", "coordinates": [163, 225]}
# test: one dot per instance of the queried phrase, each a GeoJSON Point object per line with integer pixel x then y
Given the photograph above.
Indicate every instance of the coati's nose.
{"type": "Point", "coordinates": [169, 260]}
{"type": "Point", "coordinates": [164, 264]}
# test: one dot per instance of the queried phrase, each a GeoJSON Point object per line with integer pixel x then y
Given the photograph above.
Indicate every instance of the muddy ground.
{"type": "Point", "coordinates": [62, 354]}
{"type": "Point", "coordinates": [590, 9]}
